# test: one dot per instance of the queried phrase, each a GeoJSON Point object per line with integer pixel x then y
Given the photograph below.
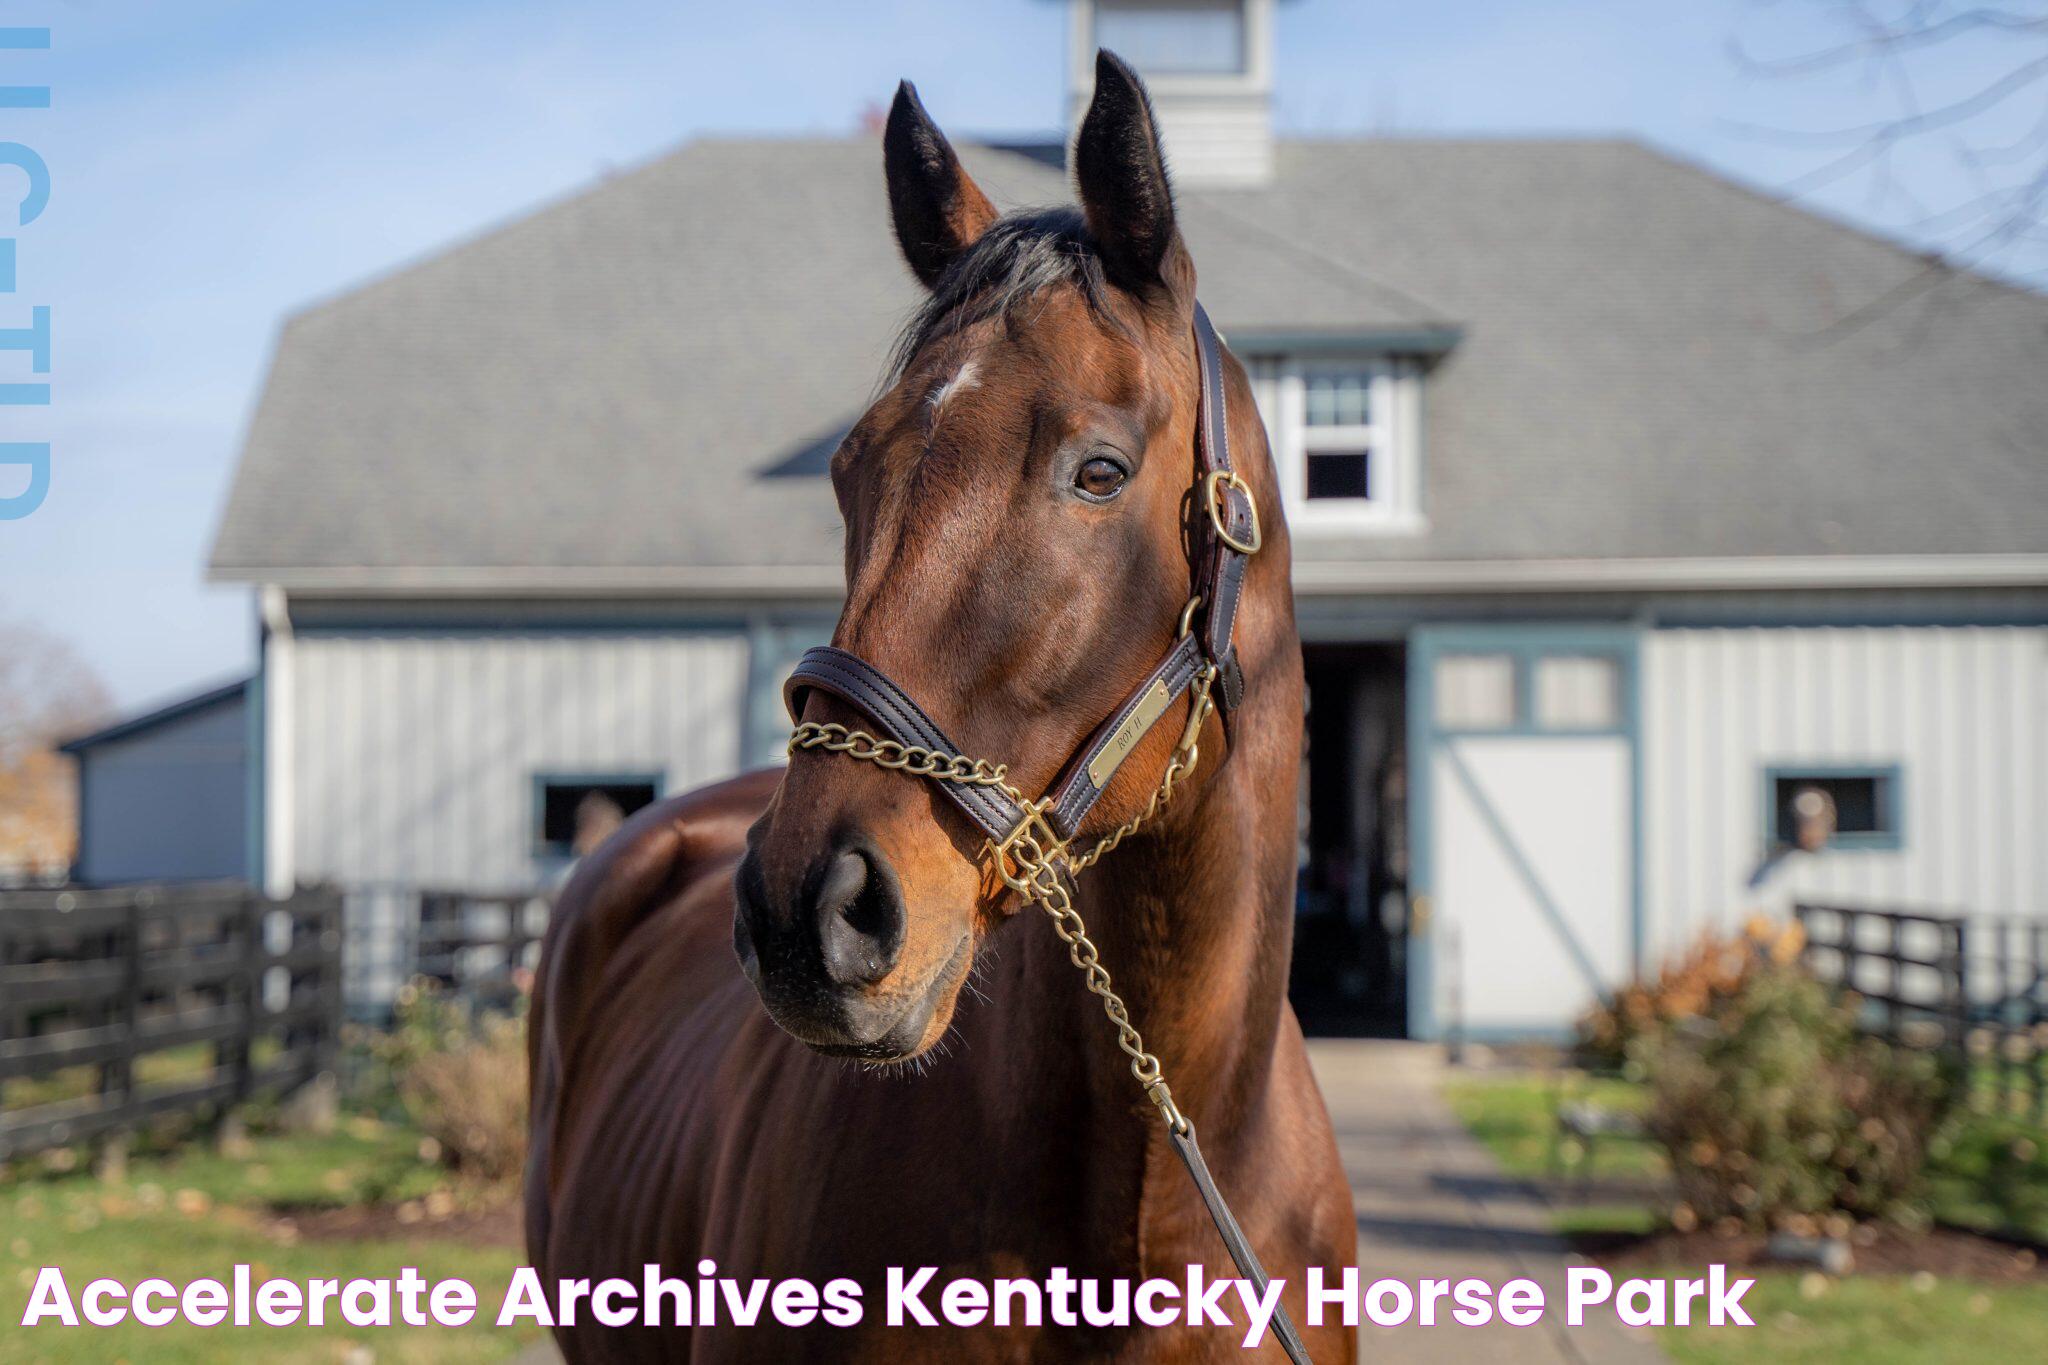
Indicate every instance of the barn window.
{"type": "Point", "coordinates": [1475, 691]}
{"type": "Point", "coordinates": [1578, 692]}
{"type": "Point", "coordinates": [1532, 687]}
{"type": "Point", "coordinates": [1174, 37]}
{"type": "Point", "coordinates": [580, 808]}
{"type": "Point", "coordinates": [1344, 437]}
{"type": "Point", "coordinates": [1839, 807]}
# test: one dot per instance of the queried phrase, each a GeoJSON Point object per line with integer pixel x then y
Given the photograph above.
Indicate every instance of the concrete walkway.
{"type": "Point", "coordinates": [1433, 1204]}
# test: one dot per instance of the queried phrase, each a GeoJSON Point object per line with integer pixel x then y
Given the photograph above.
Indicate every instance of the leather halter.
{"type": "Point", "coordinates": [1226, 535]}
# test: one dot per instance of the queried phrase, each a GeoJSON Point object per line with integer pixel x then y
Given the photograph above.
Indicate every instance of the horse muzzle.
{"type": "Point", "coordinates": [828, 959]}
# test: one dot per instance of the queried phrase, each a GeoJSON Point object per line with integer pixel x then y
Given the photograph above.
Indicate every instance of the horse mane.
{"type": "Point", "coordinates": [1020, 256]}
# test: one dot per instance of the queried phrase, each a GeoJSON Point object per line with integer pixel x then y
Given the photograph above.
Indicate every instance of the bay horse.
{"type": "Point", "coordinates": [1018, 553]}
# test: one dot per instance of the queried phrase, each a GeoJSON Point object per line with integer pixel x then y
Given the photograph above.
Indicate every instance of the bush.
{"type": "Point", "coordinates": [1776, 1113]}
{"type": "Point", "coordinates": [1715, 969]}
{"type": "Point", "coordinates": [461, 1077]}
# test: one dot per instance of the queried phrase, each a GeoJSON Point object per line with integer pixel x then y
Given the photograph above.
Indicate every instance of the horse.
{"type": "Point", "coordinates": [794, 1025]}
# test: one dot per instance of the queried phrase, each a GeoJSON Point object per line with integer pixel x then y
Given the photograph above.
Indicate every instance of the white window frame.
{"type": "Point", "coordinates": [1392, 440]}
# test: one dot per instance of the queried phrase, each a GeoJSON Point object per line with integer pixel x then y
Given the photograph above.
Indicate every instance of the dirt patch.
{"type": "Point", "coordinates": [1879, 1250]}
{"type": "Point", "coordinates": [495, 1223]}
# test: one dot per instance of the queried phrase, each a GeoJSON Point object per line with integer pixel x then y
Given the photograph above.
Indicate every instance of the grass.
{"type": "Point", "coordinates": [197, 1213]}
{"type": "Point", "coordinates": [188, 1062]}
{"type": "Point", "coordinates": [1988, 1174]}
{"type": "Point", "coordinates": [1516, 1117]}
{"type": "Point", "coordinates": [1873, 1320]}
{"type": "Point", "coordinates": [1991, 1175]}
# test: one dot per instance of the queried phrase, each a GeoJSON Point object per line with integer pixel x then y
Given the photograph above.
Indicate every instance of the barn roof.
{"type": "Point", "coordinates": [1639, 362]}
{"type": "Point", "coordinates": [159, 716]}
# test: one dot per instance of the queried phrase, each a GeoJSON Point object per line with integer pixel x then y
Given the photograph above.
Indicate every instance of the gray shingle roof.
{"type": "Point", "coordinates": [645, 378]}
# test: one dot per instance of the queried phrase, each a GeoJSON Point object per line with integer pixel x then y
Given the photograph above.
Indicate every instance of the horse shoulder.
{"type": "Point", "coordinates": [656, 859]}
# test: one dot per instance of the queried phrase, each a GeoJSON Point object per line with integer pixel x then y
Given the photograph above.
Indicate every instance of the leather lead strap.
{"type": "Point", "coordinates": [1235, 1241]}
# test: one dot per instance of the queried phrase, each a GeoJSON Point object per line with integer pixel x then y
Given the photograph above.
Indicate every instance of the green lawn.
{"type": "Point", "coordinates": [198, 1213]}
{"type": "Point", "coordinates": [1987, 1174]}
{"type": "Point", "coordinates": [152, 1068]}
{"type": "Point", "coordinates": [1872, 1320]}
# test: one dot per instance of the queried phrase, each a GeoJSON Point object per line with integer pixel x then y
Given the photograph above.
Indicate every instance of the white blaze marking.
{"type": "Point", "coordinates": [962, 380]}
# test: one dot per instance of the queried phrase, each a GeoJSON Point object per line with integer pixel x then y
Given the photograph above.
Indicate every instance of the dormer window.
{"type": "Point", "coordinates": [1345, 439]}
{"type": "Point", "coordinates": [1174, 37]}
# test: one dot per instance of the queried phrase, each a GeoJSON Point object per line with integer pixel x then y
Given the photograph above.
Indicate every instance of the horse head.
{"type": "Point", "coordinates": [1018, 519]}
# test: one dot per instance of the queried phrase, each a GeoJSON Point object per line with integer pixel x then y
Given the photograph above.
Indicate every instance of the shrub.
{"type": "Point", "coordinates": [1775, 1112]}
{"type": "Point", "coordinates": [461, 1077]}
{"type": "Point", "coordinates": [1713, 970]}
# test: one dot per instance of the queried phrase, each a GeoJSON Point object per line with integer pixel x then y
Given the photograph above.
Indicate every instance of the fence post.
{"type": "Point", "coordinates": [117, 1078]}
{"type": "Point", "coordinates": [327, 1055]}
{"type": "Point", "coordinates": [235, 1054]}
{"type": "Point", "coordinates": [315, 919]}
{"type": "Point", "coordinates": [1956, 975]}
{"type": "Point", "coordinates": [2037, 989]}
{"type": "Point", "coordinates": [2002, 1023]}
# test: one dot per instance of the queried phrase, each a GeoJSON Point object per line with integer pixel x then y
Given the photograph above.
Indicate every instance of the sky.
{"type": "Point", "coordinates": [220, 164]}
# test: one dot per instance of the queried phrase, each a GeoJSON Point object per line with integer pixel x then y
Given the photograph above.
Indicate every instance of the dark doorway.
{"type": "Point", "coordinates": [1351, 927]}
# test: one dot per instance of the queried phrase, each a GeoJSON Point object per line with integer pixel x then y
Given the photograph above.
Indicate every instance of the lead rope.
{"type": "Point", "coordinates": [1031, 860]}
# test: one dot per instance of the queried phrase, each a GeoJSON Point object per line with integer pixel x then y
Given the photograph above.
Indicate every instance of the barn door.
{"type": "Point", "coordinates": [1525, 826]}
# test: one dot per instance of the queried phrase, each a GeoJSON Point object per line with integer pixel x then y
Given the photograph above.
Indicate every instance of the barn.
{"type": "Point", "coordinates": [1661, 550]}
{"type": "Point", "coordinates": [163, 796]}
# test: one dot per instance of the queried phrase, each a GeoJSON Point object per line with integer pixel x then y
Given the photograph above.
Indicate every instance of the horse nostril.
{"type": "Point", "coordinates": [860, 919]}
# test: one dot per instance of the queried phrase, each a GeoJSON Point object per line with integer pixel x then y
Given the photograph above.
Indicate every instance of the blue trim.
{"type": "Point", "coordinates": [259, 773]}
{"type": "Point", "coordinates": [1417, 341]}
{"type": "Point", "coordinates": [542, 780]}
{"type": "Point", "coordinates": [773, 647]}
{"type": "Point", "coordinates": [1337, 618]}
{"type": "Point", "coordinates": [1421, 956]}
{"type": "Point", "coordinates": [1891, 782]}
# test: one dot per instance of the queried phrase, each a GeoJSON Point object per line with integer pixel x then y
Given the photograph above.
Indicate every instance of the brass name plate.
{"type": "Point", "coordinates": [1149, 709]}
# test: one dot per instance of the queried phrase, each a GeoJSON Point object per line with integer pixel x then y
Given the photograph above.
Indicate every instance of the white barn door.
{"type": "Point", "coordinates": [1526, 826]}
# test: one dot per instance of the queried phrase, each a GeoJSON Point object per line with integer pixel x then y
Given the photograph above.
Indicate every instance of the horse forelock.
{"type": "Point", "coordinates": [1016, 260]}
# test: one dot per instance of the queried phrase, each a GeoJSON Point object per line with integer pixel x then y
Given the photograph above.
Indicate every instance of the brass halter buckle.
{"type": "Point", "coordinates": [1029, 848]}
{"type": "Point", "coordinates": [1212, 495]}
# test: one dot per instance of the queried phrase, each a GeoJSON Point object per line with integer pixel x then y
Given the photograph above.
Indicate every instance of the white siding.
{"type": "Point", "coordinates": [414, 756]}
{"type": "Point", "coordinates": [1962, 711]}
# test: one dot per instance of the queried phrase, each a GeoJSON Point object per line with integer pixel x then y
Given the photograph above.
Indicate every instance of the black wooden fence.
{"type": "Point", "coordinates": [1908, 967]}
{"type": "Point", "coordinates": [111, 985]}
{"type": "Point", "coordinates": [1974, 987]}
{"type": "Point", "coordinates": [477, 946]}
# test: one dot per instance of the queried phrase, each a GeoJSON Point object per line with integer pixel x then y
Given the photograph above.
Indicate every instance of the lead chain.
{"type": "Point", "coordinates": [1040, 869]}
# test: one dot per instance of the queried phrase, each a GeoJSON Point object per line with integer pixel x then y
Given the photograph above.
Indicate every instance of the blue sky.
{"type": "Point", "coordinates": [218, 164]}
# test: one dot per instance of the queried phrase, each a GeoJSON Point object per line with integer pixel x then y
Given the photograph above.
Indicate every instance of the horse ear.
{"type": "Point", "coordinates": [1122, 173]}
{"type": "Point", "coordinates": [938, 210]}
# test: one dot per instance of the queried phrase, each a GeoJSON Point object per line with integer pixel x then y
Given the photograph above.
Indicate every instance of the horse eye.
{"type": "Point", "coordinates": [1100, 478]}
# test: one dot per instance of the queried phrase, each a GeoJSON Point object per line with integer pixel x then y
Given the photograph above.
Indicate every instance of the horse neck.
{"type": "Point", "coordinates": [1194, 918]}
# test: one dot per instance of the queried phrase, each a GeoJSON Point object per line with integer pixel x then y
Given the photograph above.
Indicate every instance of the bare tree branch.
{"type": "Point", "coordinates": [1999, 223]}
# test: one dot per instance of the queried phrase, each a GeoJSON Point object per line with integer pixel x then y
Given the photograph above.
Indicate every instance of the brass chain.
{"type": "Point", "coordinates": [1038, 865]}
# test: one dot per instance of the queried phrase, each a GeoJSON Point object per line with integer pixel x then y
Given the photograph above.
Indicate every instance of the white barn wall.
{"type": "Point", "coordinates": [414, 756]}
{"type": "Point", "coordinates": [1962, 710]}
